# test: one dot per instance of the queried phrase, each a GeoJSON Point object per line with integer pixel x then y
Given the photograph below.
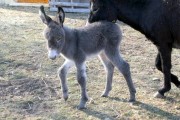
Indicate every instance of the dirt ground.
{"type": "Point", "coordinates": [30, 88]}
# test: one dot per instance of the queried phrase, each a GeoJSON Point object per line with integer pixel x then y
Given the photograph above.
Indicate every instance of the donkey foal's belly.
{"type": "Point", "coordinates": [93, 55]}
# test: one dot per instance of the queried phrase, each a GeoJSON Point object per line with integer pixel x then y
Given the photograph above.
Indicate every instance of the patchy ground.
{"type": "Point", "coordinates": [30, 89]}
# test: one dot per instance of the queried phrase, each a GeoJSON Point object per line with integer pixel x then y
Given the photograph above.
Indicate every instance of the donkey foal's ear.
{"type": "Point", "coordinates": [45, 19]}
{"type": "Point", "coordinates": [61, 15]}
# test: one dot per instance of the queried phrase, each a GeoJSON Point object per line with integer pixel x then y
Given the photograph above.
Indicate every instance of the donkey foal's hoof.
{"type": "Point", "coordinates": [81, 107]}
{"type": "Point", "coordinates": [158, 95]}
{"type": "Point", "coordinates": [104, 95]}
{"type": "Point", "coordinates": [65, 97]}
{"type": "Point", "coordinates": [132, 100]}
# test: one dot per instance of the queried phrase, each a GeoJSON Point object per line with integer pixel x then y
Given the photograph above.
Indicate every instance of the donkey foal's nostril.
{"type": "Point", "coordinates": [53, 58]}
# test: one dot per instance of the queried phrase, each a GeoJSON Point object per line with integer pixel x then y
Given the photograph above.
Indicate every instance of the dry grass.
{"type": "Point", "coordinates": [30, 89]}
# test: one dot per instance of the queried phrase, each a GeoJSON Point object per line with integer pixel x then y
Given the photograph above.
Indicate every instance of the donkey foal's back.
{"type": "Point", "coordinates": [76, 45]}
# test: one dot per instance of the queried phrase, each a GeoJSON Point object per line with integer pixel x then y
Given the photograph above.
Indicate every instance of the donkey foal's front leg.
{"type": "Point", "coordinates": [62, 73]}
{"type": "Point", "coordinates": [81, 77]}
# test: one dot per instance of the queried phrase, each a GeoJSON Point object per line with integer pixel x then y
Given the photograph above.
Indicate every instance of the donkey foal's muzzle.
{"type": "Point", "coordinates": [52, 54]}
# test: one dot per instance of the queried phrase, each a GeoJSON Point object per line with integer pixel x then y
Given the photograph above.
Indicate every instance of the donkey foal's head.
{"type": "Point", "coordinates": [53, 32]}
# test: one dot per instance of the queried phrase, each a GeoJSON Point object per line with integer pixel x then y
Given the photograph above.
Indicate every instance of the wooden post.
{"type": "Point", "coordinates": [70, 5]}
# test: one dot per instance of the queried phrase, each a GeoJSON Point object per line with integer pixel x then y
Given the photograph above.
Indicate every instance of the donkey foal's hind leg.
{"type": "Point", "coordinates": [62, 73]}
{"type": "Point", "coordinates": [109, 67]}
{"type": "Point", "coordinates": [124, 68]}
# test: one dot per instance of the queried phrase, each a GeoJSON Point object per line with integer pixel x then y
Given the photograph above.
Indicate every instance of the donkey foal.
{"type": "Point", "coordinates": [76, 45]}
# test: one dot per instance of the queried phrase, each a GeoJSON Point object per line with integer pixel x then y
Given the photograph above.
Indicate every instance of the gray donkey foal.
{"type": "Point", "coordinates": [76, 45]}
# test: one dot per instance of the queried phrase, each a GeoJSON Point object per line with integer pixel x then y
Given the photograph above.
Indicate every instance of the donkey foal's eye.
{"type": "Point", "coordinates": [57, 41]}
